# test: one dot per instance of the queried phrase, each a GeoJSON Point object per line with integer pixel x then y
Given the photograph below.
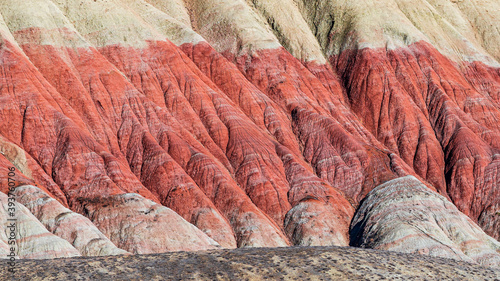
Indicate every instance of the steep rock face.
{"type": "Point", "coordinates": [73, 227]}
{"type": "Point", "coordinates": [63, 148]}
{"type": "Point", "coordinates": [159, 85]}
{"type": "Point", "coordinates": [455, 125]}
{"type": "Point", "coordinates": [243, 123]}
{"type": "Point", "coordinates": [304, 182]}
{"type": "Point", "coordinates": [150, 137]}
{"type": "Point", "coordinates": [147, 227]}
{"type": "Point", "coordinates": [404, 215]}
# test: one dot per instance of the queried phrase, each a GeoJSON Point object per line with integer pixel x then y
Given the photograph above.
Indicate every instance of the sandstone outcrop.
{"type": "Point", "coordinates": [403, 215]}
{"type": "Point", "coordinates": [294, 263]}
{"type": "Point", "coordinates": [147, 126]}
{"type": "Point", "coordinates": [71, 226]}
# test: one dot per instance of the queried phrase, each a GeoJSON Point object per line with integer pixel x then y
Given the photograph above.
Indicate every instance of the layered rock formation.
{"type": "Point", "coordinates": [27, 236]}
{"type": "Point", "coordinates": [71, 226]}
{"type": "Point", "coordinates": [294, 263]}
{"type": "Point", "coordinates": [183, 125]}
{"type": "Point", "coordinates": [403, 215]}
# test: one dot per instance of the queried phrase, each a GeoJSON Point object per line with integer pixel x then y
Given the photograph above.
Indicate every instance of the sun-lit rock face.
{"type": "Point", "coordinates": [404, 215]}
{"type": "Point", "coordinates": [142, 226]}
{"type": "Point", "coordinates": [25, 236]}
{"type": "Point", "coordinates": [71, 226]}
{"type": "Point", "coordinates": [147, 126]}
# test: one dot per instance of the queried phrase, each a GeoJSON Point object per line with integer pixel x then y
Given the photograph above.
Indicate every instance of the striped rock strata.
{"type": "Point", "coordinates": [23, 235]}
{"type": "Point", "coordinates": [71, 226]}
{"type": "Point", "coordinates": [245, 123]}
{"type": "Point", "coordinates": [403, 215]}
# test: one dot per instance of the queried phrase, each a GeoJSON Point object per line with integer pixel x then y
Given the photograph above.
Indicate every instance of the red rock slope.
{"type": "Point", "coordinates": [185, 125]}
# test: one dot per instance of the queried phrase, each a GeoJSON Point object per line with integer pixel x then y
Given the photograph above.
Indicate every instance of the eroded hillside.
{"type": "Point", "coordinates": [146, 126]}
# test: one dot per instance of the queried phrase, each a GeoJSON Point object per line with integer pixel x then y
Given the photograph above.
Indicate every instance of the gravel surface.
{"type": "Point", "coordinates": [296, 263]}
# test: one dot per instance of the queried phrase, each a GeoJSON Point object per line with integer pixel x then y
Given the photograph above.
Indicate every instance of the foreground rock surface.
{"type": "Point", "coordinates": [71, 226]}
{"type": "Point", "coordinates": [403, 215]}
{"type": "Point", "coordinates": [296, 263]}
{"type": "Point", "coordinates": [32, 240]}
{"type": "Point", "coordinates": [185, 125]}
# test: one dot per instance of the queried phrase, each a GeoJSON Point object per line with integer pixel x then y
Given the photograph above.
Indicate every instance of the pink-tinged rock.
{"type": "Point", "coordinates": [385, 110]}
{"type": "Point", "coordinates": [81, 167]}
{"type": "Point", "coordinates": [313, 222]}
{"type": "Point", "coordinates": [320, 215]}
{"type": "Point", "coordinates": [186, 140]}
{"type": "Point", "coordinates": [142, 226]}
{"type": "Point", "coordinates": [249, 148]}
{"type": "Point", "coordinates": [32, 239]}
{"type": "Point", "coordinates": [152, 164]}
{"type": "Point", "coordinates": [152, 159]}
{"type": "Point", "coordinates": [341, 151]}
{"type": "Point", "coordinates": [71, 226]}
{"type": "Point", "coordinates": [404, 215]}
{"type": "Point", "coordinates": [440, 119]}
{"type": "Point", "coordinates": [254, 103]}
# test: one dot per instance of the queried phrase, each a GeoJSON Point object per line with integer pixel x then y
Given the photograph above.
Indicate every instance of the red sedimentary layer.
{"type": "Point", "coordinates": [257, 150]}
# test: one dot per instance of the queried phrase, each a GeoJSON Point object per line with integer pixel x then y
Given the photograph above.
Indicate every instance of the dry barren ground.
{"type": "Point", "coordinates": [297, 263]}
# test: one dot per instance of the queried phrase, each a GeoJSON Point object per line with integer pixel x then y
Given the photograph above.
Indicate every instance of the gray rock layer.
{"type": "Point", "coordinates": [403, 215]}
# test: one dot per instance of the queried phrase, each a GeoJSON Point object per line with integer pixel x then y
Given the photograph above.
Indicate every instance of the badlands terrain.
{"type": "Point", "coordinates": [291, 264]}
{"type": "Point", "coordinates": [151, 126]}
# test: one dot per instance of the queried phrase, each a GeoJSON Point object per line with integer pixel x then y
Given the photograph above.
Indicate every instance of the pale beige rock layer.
{"type": "Point", "coordinates": [309, 30]}
{"type": "Point", "coordinates": [464, 30]}
{"type": "Point", "coordinates": [71, 226]}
